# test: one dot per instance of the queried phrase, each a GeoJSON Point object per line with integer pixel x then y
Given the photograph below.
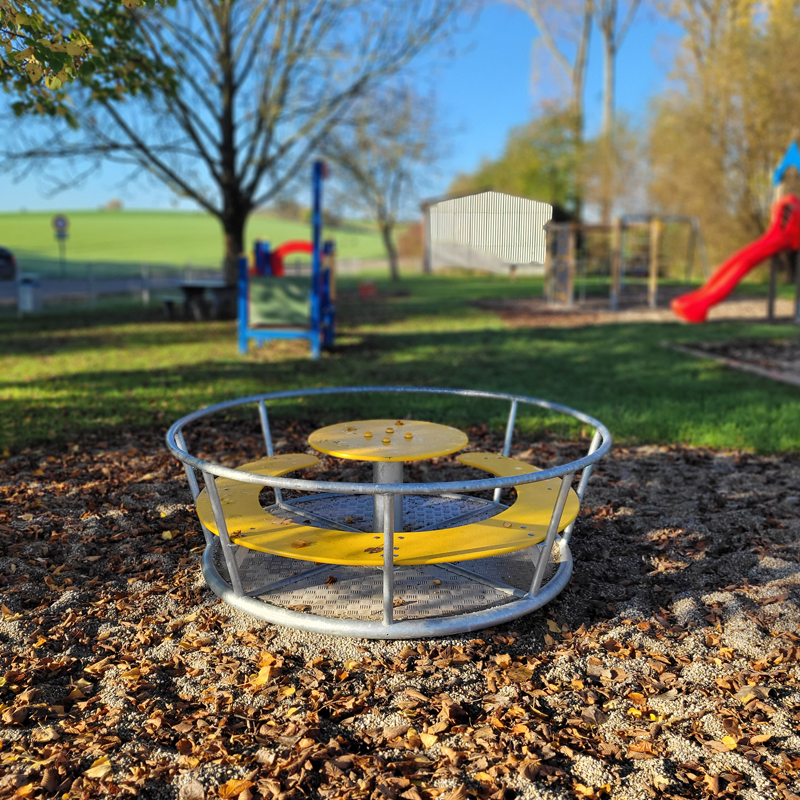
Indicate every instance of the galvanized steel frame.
{"type": "Point", "coordinates": [387, 495]}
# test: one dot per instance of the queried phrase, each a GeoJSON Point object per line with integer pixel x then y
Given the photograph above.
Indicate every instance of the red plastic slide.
{"type": "Point", "coordinates": [783, 234]}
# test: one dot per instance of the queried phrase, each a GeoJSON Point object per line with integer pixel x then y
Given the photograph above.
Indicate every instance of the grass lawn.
{"type": "Point", "coordinates": [64, 375]}
{"type": "Point", "coordinates": [119, 242]}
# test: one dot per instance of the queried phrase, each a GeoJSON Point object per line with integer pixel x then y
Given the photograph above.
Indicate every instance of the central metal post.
{"type": "Point", "coordinates": [388, 559]}
{"type": "Point", "coordinates": [387, 472]}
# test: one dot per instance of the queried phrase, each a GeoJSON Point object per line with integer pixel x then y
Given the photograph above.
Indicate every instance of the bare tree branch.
{"type": "Point", "coordinates": [260, 83]}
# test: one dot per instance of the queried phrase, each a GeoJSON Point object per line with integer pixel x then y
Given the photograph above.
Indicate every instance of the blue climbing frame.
{"type": "Point", "coordinates": [321, 328]}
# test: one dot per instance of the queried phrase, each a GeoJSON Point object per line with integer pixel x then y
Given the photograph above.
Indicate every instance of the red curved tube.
{"type": "Point", "coordinates": [294, 246]}
{"type": "Point", "coordinates": [782, 234]}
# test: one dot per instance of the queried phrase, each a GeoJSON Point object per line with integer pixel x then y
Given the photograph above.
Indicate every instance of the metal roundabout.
{"type": "Point", "coordinates": [387, 559]}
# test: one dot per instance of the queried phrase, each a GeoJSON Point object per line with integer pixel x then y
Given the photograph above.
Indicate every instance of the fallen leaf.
{"type": "Point", "coordinates": [593, 715]}
{"type": "Point", "coordinates": [748, 693]}
{"type": "Point", "coordinates": [519, 674]}
{"type": "Point", "coordinates": [297, 544]}
{"type": "Point", "coordinates": [132, 674]}
{"type": "Point", "coordinates": [777, 598]}
{"type": "Point", "coordinates": [233, 788]}
{"type": "Point", "coordinates": [459, 793]}
{"type": "Point", "coordinates": [50, 780]}
{"type": "Point", "coordinates": [100, 768]}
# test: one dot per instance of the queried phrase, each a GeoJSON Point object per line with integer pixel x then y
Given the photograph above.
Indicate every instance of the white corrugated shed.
{"type": "Point", "coordinates": [501, 225]}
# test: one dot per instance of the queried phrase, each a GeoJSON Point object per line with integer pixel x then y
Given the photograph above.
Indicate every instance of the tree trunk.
{"type": "Point", "coordinates": [387, 231]}
{"type": "Point", "coordinates": [578, 89]}
{"type": "Point", "coordinates": [233, 234]}
{"type": "Point", "coordinates": [609, 167]}
{"type": "Point", "coordinates": [609, 68]}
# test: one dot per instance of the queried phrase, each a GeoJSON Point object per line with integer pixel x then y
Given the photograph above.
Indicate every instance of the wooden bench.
{"type": "Point", "coordinates": [515, 528]}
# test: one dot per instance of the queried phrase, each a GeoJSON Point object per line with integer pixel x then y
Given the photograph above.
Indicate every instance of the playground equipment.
{"type": "Point", "coordinates": [782, 236]}
{"type": "Point", "coordinates": [387, 559]}
{"type": "Point", "coordinates": [635, 249]}
{"type": "Point", "coordinates": [272, 305]}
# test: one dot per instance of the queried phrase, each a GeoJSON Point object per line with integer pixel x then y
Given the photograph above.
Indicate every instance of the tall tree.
{"type": "Point", "coordinates": [380, 153]}
{"type": "Point", "coordinates": [540, 161]}
{"type": "Point", "coordinates": [49, 44]}
{"type": "Point", "coordinates": [565, 28]}
{"type": "Point", "coordinates": [259, 84]}
{"type": "Point", "coordinates": [613, 28]}
{"type": "Point", "coordinates": [719, 132]}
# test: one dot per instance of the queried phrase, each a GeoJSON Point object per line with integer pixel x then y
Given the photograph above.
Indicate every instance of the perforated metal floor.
{"type": "Point", "coordinates": [356, 592]}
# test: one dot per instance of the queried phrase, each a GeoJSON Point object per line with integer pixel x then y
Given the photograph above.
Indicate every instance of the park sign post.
{"type": "Point", "coordinates": [60, 225]}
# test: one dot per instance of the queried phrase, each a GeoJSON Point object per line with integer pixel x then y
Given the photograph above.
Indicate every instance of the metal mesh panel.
{"type": "Point", "coordinates": [346, 592]}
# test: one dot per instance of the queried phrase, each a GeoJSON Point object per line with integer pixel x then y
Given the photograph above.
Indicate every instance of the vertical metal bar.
{"type": "Point", "coordinates": [388, 559]}
{"type": "Point", "coordinates": [190, 476]}
{"type": "Point", "coordinates": [692, 246]}
{"type": "Point", "coordinates": [571, 256]}
{"type": "Point", "coordinates": [386, 472]}
{"type": "Point", "coordinates": [228, 548]}
{"type": "Point", "coordinates": [655, 247]}
{"type": "Point", "coordinates": [193, 486]}
{"type": "Point", "coordinates": [512, 418]}
{"type": "Point", "coordinates": [262, 415]}
{"type": "Point", "coordinates": [773, 287]}
{"type": "Point", "coordinates": [616, 263]}
{"type": "Point", "coordinates": [797, 287]}
{"type": "Point", "coordinates": [585, 475]}
{"type": "Point", "coordinates": [547, 547]}
{"type": "Point", "coordinates": [242, 303]}
{"type": "Point", "coordinates": [548, 261]}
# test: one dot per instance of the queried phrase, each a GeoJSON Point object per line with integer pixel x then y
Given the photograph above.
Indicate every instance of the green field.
{"type": "Point", "coordinates": [68, 373]}
{"type": "Point", "coordinates": [119, 242]}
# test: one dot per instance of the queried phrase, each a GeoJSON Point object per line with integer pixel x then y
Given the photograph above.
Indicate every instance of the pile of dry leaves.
{"type": "Point", "coordinates": [667, 669]}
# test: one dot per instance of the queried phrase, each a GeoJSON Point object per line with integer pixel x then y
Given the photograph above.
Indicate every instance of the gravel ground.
{"type": "Point", "coordinates": [667, 668]}
{"type": "Point", "coordinates": [525, 313]}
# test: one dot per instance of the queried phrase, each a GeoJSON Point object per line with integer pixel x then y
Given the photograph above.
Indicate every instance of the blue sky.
{"type": "Point", "coordinates": [482, 92]}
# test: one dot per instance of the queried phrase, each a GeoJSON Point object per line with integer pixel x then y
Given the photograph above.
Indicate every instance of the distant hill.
{"type": "Point", "coordinates": [119, 242]}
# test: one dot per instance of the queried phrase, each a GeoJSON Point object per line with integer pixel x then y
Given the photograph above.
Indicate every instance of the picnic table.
{"type": "Point", "coordinates": [200, 300]}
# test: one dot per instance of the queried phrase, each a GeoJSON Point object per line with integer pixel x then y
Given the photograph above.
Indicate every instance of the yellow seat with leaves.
{"type": "Point", "coordinates": [521, 525]}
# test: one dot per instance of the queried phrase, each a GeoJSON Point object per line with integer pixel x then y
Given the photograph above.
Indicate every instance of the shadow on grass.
{"type": "Point", "coordinates": [620, 374]}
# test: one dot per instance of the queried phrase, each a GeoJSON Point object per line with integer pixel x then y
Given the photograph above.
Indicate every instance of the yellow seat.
{"type": "Point", "coordinates": [523, 524]}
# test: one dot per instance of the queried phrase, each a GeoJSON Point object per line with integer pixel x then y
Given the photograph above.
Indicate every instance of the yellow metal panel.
{"type": "Point", "coordinates": [388, 440]}
{"type": "Point", "coordinates": [240, 500]}
{"type": "Point", "coordinates": [523, 524]}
